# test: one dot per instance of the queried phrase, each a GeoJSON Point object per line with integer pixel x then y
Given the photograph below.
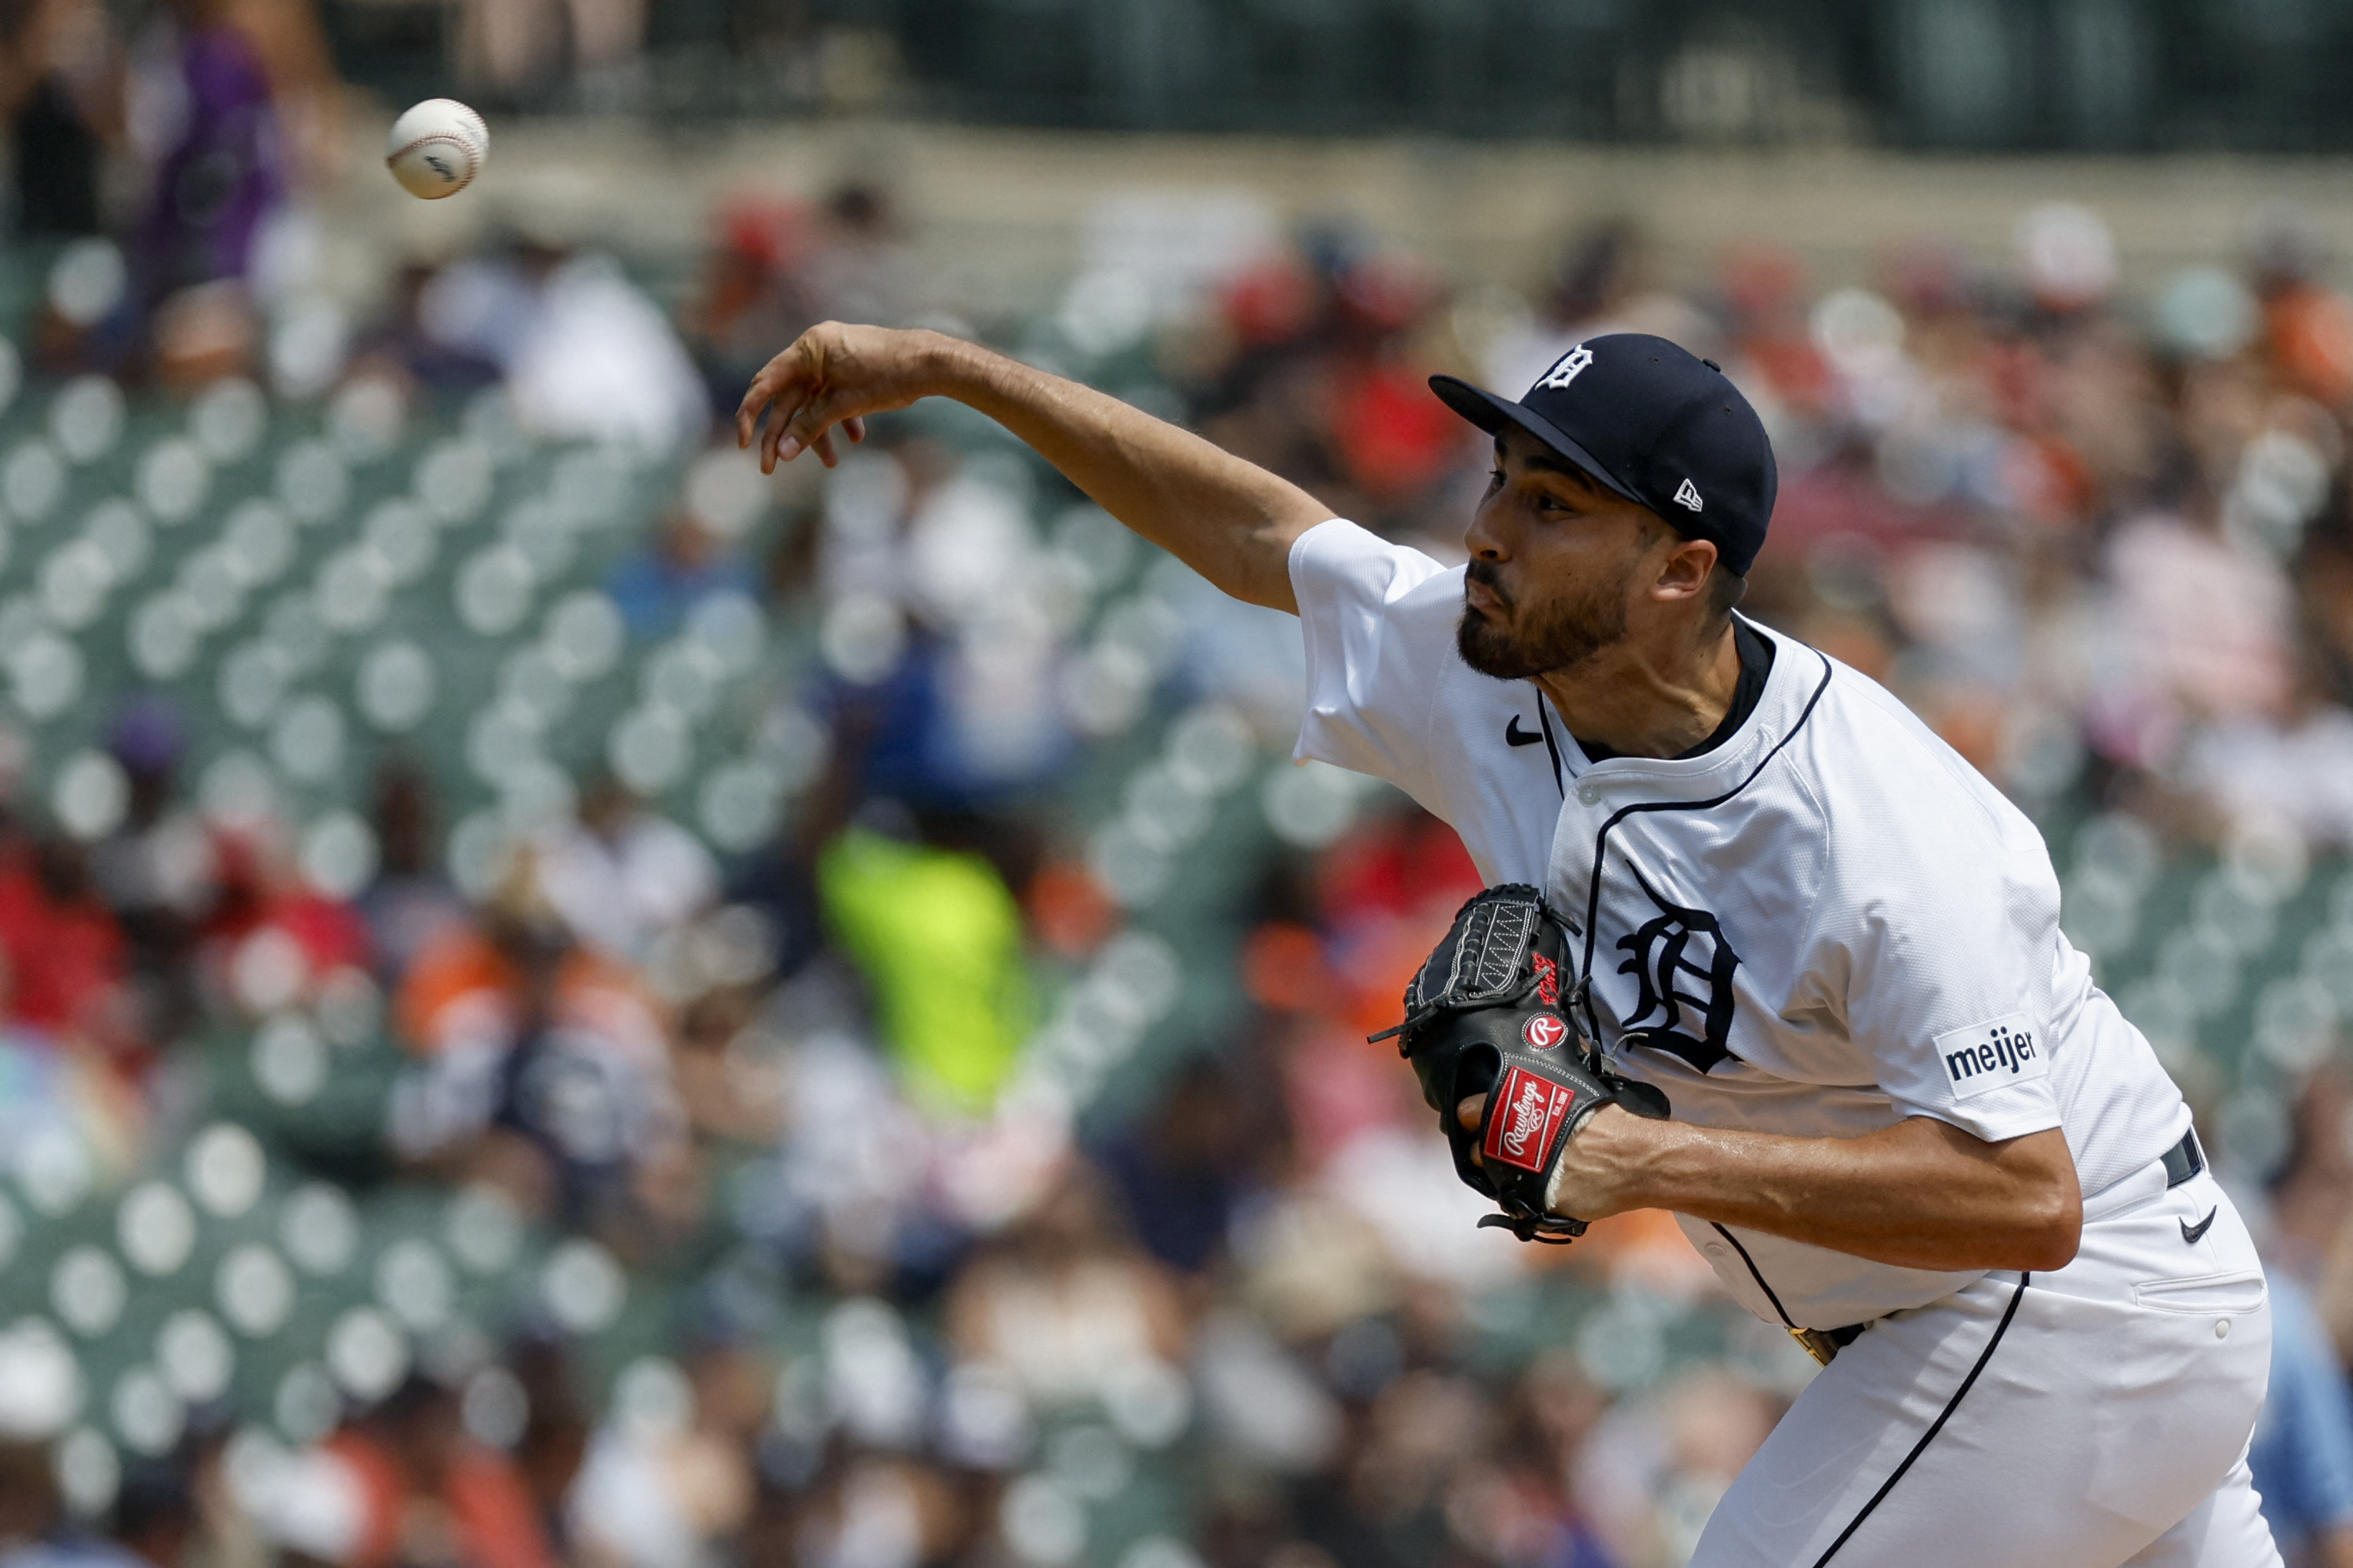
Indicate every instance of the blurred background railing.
{"type": "Point", "coordinates": [2044, 75]}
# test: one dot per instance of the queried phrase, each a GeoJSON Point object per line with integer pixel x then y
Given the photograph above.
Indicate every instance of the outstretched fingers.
{"type": "Point", "coordinates": [801, 414]}
{"type": "Point", "coordinates": [784, 391]}
{"type": "Point", "coordinates": [808, 428]}
{"type": "Point", "coordinates": [854, 427]}
{"type": "Point", "coordinates": [832, 375]}
{"type": "Point", "coordinates": [766, 391]}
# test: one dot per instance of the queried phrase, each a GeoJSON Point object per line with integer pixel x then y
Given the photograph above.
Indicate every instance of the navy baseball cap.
{"type": "Point", "coordinates": [1659, 425]}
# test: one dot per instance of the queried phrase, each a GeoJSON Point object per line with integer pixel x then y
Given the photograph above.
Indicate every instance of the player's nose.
{"type": "Point", "coordinates": [1482, 539]}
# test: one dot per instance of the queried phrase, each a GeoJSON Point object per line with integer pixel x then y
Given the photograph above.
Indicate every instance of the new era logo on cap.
{"type": "Point", "coordinates": [1688, 496]}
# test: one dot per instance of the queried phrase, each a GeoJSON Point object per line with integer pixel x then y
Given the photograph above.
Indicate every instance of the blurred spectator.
{"type": "Point", "coordinates": [620, 876]}
{"type": "Point", "coordinates": [2302, 1454]}
{"type": "Point", "coordinates": [35, 1531]}
{"type": "Point", "coordinates": [61, 91]}
{"type": "Point", "coordinates": [2298, 771]}
{"type": "Point", "coordinates": [751, 295]}
{"type": "Point", "coordinates": [686, 562]}
{"type": "Point", "coordinates": [158, 871]}
{"type": "Point", "coordinates": [520, 45]}
{"type": "Point", "coordinates": [860, 269]}
{"type": "Point", "coordinates": [428, 1492]}
{"type": "Point", "coordinates": [1187, 1170]}
{"type": "Point", "coordinates": [584, 351]}
{"type": "Point", "coordinates": [546, 1067]}
{"type": "Point", "coordinates": [155, 1516]}
{"type": "Point", "coordinates": [402, 346]}
{"type": "Point", "coordinates": [271, 939]}
{"type": "Point", "coordinates": [1603, 282]}
{"type": "Point", "coordinates": [778, 266]}
{"type": "Point", "coordinates": [603, 364]}
{"type": "Point", "coordinates": [1317, 371]}
{"type": "Point", "coordinates": [1652, 1472]}
{"type": "Point", "coordinates": [2309, 324]}
{"type": "Point", "coordinates": [938, 936]}
{"type": "Point", "coordinates": [235, 103]}
{"type": "Point", "coordinates": [554, 1443]}
{"type": "Point", "coordinates": [411, 902]}
{"type": "Point", "coordinates": [64, 949]}
{"type": "Point", "coordinates": [672, 1479]}
{"type": "Point", "coordinates": [1063, 1304]}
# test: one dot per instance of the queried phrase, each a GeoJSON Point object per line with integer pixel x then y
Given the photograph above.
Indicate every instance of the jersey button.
{"type": "Point", "coordinates": [2222, 1328]}
{"type": "Point", "coordinates": [1587, 793]}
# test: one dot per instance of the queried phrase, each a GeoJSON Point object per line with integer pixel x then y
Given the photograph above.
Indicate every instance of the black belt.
{"type": "Point", "coordinates": [2183, 1161]}
{"type": "Point", "coordinates": [1824, 1344]}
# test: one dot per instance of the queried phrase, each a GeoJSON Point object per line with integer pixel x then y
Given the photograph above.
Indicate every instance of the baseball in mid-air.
{"type": "Point", "coordinates": [436, 148]}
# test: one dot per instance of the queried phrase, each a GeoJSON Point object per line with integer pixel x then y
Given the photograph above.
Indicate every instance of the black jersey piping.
{"type": "Point", "coordinates": [1593, 910]}
{"type": "Point", "coordinates": [1601, 836]}
{"type": "Point", "coordinates": [1756, 1274]}
{"type": "Point", "coordinates": [1934, 1427]}
{"type": "Point", "coordinates": [1544, 717]}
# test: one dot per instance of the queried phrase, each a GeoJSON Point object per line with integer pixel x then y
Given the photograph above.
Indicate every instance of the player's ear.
{"type": "Point", "coordinates": [1684, 569]}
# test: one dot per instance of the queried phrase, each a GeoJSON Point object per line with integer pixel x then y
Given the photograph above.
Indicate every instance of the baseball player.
{"type": "Point", "coordinates": [1905, 1124]}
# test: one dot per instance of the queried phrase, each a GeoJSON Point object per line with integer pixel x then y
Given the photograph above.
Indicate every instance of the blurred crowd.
{"type": "Point", "coordinates": [960, 1279]}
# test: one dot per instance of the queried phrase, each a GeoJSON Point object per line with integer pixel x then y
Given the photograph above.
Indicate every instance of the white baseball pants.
{"type": "Point", "coordinates": [2093, 1417]}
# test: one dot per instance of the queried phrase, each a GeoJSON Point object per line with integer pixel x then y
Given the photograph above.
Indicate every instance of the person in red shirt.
{"type": "Point", "coordinates": [63, 949]}
{"type": "Point", "coordinates": [432, 1493]}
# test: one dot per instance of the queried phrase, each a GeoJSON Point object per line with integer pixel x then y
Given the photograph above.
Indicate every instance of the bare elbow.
{"type": "Point", "coordinates": [2044, 1203]}
{"type": "Point", "coordinates": [2053, 1229]}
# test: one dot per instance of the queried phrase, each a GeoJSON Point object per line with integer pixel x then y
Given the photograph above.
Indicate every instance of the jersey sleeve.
{"type": "Point", "coordinates": [1934, 926]}
{"type": "Point", "coordinates": [1379, 625]}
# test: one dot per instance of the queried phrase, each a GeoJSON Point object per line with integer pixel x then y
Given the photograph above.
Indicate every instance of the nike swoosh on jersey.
{"type": "Point", "coordinates": [2191, 1233]}
{"type": "Point", "coordinates": [1519, 737]}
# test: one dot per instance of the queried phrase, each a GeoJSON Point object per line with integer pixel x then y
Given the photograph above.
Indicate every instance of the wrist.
{"type": "Point", "coordinates": [1615, 1154]}
{"type": "Point", "coordinates": [964, 371]}
{"type": "Point", "coordinates": [943, 363]}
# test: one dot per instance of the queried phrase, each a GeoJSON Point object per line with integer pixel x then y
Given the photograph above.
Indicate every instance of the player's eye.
{"type": "Point", "coordinates": [1495, 478]}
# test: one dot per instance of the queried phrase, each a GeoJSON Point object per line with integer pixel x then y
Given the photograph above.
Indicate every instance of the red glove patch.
{"type": "Point", "coordinates": [1523, 1126]}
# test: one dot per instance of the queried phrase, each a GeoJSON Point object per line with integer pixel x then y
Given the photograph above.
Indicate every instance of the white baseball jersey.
{"type": "Point", "coordinates": [1823, 925]}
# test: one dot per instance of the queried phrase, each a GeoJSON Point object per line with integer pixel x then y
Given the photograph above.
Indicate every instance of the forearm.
{"type": "Point", "coordinates": [1920, 1195]}
{"type": "Point", "coordinates": [1230, 520]}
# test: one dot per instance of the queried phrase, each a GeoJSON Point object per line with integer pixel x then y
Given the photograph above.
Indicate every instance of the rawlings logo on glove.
{"type": "Point", "coordinates": [1533, 1111]}
{"type": "Point", "coordinates": [1482, 1019]}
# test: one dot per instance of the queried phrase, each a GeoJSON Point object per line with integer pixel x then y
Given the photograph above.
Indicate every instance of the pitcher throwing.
{"type": "Point", "coordinates": [1905, 1124]}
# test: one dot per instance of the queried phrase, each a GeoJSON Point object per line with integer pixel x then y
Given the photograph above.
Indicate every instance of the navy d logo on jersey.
{"type": "Point", "coordinates": [1684, 965]}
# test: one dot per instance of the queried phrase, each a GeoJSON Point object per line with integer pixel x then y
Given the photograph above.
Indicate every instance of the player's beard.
{"type": "Point", "coordinates": [1541, 637]}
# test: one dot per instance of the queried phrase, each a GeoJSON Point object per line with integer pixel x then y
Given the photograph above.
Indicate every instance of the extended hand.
{"type": "Point", "coordinates": [833, 375]}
